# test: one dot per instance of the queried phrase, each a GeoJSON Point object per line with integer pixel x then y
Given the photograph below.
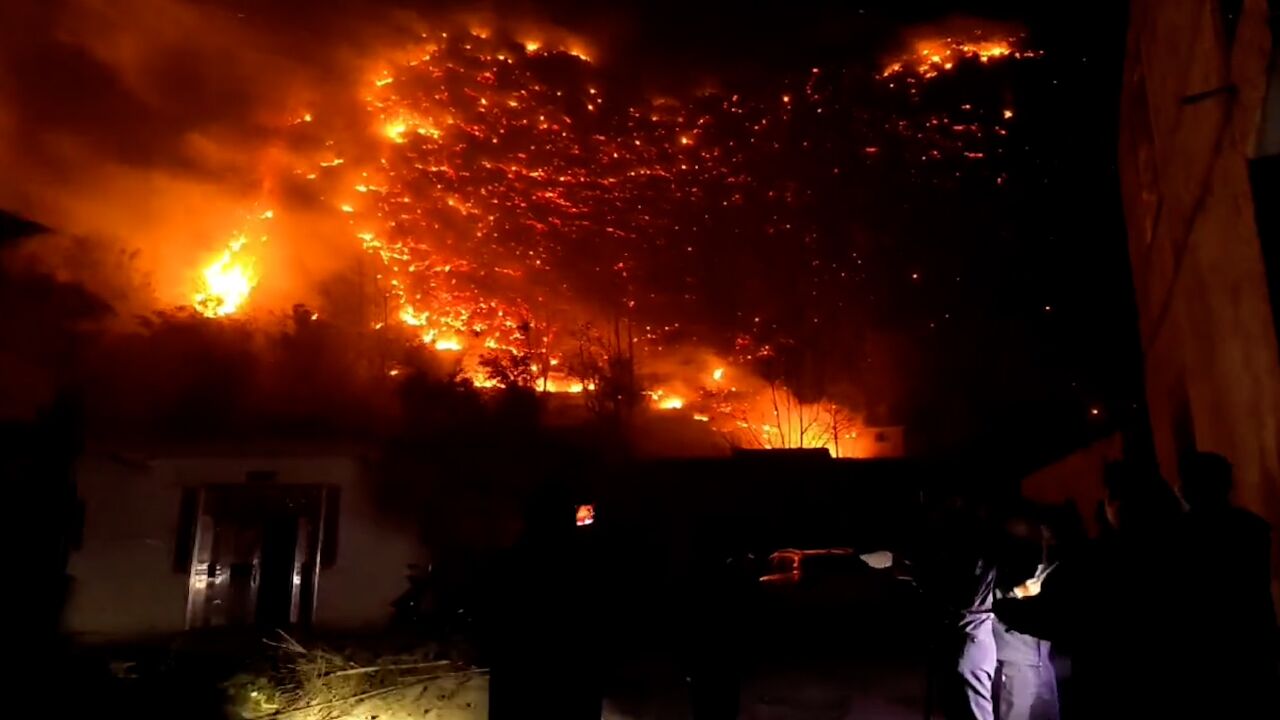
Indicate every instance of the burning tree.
{"type": "Point", "coordinates": [606, 370]}
{"type": "Point", "coordinates": [526, 363]}
{"type": "Point", "coordinates": [796, 424]}
{"type": "Point", "coordinates": [509, 368]}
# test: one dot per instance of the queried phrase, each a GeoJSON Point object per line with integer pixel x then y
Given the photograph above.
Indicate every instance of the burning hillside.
{"type": "Point", "coordinates": [934, 56]}
{"type": "Point", "coordinates": [497, 197]}
{"type": "Point", "coordinates": [512, 186]}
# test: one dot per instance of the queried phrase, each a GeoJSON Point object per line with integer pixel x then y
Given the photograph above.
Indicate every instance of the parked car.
{"type": "Point", "coordinates": [790, 566]}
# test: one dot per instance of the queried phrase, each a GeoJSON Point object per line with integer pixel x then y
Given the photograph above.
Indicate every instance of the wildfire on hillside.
{"type": "Point", "coordinates": [507, 198]}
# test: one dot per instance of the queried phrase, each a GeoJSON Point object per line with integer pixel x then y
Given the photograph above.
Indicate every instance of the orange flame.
{"type": "Point", "coordinates": [937, 55]}
{"type": "Point", "coordinates": [225, 283]}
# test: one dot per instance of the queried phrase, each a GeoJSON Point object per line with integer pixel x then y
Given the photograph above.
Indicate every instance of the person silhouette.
{"type": "Point", "coordinates": [955, 569]}
{"type": "Point", "coordinates": [1026, 686]}
{"type": "Point", "coordinates": [1120, 604]}
{"type": "Point", "coordinates": [1229, 559]}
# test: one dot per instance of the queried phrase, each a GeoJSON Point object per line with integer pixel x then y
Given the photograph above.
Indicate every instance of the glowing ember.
{"type": "Point", "coordinates": [448, 345]}
{"type": "Point", "coordinates": [226, 282]}
{"type": "Point", "coordinates": [493, 179]}
{"type": "Point", "coordinates": [501, 175]}
{"type": "Point", "coordinates": [585, 515]}
{"type": "Point", "coordinates": [934, 56]}
{"type": "Point", "coordinates": [561, 384]}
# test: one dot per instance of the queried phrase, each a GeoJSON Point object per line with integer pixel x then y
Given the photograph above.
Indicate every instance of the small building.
{"type": "Point", "coordinates": [874, 442]}
{"type": "Point", "coordinates": [206, 536]}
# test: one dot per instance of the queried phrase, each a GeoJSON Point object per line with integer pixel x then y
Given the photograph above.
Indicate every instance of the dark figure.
{"type": "Point", "coordinates": [545, 652]}
{"type": "Point", "coordinates": [971, 642]}
{"type": "Point", "coordinates": [1026, 685]}
{"type": "Point", "coordinates": [720, 629]}
{"type": "Point", "coordinates": [957, 575]}
{"type": "Point", "coordinates": [1229, 549]}
{"type": "Point", "coordinates": [1123, 606]}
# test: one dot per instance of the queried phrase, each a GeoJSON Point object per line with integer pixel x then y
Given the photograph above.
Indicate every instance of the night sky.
{"type": "Point", "coordinates": [983, 300]}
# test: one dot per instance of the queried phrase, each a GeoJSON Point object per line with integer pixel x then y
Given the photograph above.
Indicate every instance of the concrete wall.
{"type": "Point", "coordinates": [1191, 114]}
{"type": "Point", "coordinates": [124, 581]}
{"type": "Point", "coordinates": [122, 578]}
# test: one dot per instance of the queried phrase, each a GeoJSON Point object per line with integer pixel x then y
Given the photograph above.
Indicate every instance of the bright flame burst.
{"type": "Point", "coordinates": [225, 283]}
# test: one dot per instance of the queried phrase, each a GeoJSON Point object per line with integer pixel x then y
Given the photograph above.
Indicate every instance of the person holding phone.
{"type": "Point", "coordinates": [1026, 686]}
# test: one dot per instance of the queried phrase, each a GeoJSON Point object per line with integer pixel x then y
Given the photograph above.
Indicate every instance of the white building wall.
{"type": "Point", "coordinates": [122, 577]}
{"type": "Point", "coordinates": [124, 581]}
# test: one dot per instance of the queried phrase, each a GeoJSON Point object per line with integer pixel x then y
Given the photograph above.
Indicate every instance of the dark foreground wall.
{"type": "Point", "coordinates": [1196, 80]}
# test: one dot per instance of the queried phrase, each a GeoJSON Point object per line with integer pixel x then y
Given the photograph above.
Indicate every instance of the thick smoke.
{"type": "Point", "coordinates": [147, 132]}
{"type": "Point", "coordinates": [141, 134]}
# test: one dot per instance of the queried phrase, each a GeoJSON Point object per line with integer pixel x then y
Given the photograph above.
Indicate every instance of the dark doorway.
{"type": "Point", "coordinates": [256, 550]}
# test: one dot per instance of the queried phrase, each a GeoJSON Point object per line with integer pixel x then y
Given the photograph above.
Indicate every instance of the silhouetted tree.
{"type": "Point", "coordinates": [607, 370]}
